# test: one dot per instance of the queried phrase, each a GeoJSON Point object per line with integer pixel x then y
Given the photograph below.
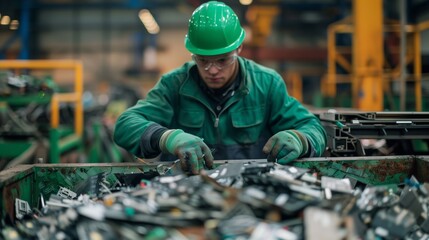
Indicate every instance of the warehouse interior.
{"type": "Point", "coordinates": [68, 69]}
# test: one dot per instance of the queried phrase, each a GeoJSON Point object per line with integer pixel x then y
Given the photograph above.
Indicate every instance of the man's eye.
{"type": "Point", "coordinates": [202, 60]}
{"type": "Point", "coordinates": [221, 60]}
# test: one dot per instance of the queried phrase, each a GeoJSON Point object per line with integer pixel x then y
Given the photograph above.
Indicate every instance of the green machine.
{"type": "Point", "coordinates": [31, 110]}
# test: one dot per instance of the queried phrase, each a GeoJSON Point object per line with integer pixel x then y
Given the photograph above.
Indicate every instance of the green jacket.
{"type": "Point", "coordinates": [259, 108]}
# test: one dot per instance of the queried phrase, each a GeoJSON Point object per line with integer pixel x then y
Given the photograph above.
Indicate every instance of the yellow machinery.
{"type": "Point", "coordinates": [294, 84]}
{"type": "Point", "coordinates": [260, 19]}
{"type": "Point", "coordinates": [58, 143]}
{"type": "Point", "coordinates": [367, 76]}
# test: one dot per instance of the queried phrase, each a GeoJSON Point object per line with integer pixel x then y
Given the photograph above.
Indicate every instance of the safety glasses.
{"type": "Point", "coordinates": [219, 63]}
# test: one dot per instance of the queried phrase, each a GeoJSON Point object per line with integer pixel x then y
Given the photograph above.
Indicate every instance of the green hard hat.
{"type": "Point", "coordinates": [213, 29]}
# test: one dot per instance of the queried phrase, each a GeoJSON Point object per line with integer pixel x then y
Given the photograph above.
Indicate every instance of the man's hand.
{"type": "Point", "coordinates": [286, 146]}
{"type": "Point", "coordinates": [193, 153]}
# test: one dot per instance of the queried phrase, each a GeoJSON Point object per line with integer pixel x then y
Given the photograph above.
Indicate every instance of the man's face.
{"type": "Point", "coordinates": [219, 70]}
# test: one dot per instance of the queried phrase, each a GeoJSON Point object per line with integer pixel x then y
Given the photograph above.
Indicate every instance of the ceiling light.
{"type": "Point", "coordinates": [149, 21]}
{"type": "Point", "coordinates": [14, 25]}
{"type": "Point", "coordinates": [246, 2]}
{"type": "Point", "coordinates": [5, 20]}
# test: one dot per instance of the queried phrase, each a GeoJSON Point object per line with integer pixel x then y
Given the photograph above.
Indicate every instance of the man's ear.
{"type": "Point", "coordinates": [239, 49]}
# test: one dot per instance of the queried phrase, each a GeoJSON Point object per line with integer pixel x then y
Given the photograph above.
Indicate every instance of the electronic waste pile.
{"type": "Point", "coordinates": [251, 200]}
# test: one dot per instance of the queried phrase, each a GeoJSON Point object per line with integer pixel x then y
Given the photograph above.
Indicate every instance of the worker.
{"type": "Point", "coordinates": [220, 106]}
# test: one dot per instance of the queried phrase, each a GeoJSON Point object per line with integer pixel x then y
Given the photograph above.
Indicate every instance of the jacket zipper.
{"type": "Point", "coordinates": [216, 123]}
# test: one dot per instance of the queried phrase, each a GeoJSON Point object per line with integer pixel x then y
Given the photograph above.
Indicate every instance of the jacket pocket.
{"type": "Point", "coordinates": [247, 125]}
{"type": "Point", "coordinates": [191, 119]}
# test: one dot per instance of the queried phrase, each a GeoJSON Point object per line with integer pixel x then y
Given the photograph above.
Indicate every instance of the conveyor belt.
{"type": "Point", "coordinates": [345, 130]}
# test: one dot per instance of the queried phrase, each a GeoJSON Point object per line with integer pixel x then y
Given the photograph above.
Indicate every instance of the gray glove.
{"type": "Point", "coordinates": [286, 146]}
{"type": "Point", "coordinates": [193, 153]}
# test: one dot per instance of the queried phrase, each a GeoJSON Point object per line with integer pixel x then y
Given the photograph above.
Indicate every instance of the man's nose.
{"type": "Point", "coordinates": [212, 69]}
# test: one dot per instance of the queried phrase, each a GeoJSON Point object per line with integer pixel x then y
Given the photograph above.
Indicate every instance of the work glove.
{"type": "Point", "coordinates": [286, 146]}
{"type": "Point", "coordinates": [193, 153]}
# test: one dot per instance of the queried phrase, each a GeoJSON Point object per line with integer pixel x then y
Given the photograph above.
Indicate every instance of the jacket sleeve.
{"type": "Point", "coordinates": [287, 113]}
{"type": "Point", "coordinates": [136, 128]}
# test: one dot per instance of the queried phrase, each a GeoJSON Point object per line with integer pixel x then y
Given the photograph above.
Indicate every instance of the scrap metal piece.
{"type": "Point", "coordinates": [66, 193]}
{"type": "Point", "coordinates": [22, 208]}
{"type": "Point", "coordinates": [322, 224]}
{"type": "Point", "coordinates": [394, 222]}
{"type": "Point", "coordinates": [375, 197]}
{"type": "Point", "coordinates": [410, 200]}
{"type": "Point", "coordinates": [339, 185]}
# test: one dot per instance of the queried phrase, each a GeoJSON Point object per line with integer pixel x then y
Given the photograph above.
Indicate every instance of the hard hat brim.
{"type": "Point", "coordinates": [210, 52]}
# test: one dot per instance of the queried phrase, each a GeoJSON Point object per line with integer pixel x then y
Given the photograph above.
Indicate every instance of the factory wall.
{"type": "Point", "coordinates": [113, 44]}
